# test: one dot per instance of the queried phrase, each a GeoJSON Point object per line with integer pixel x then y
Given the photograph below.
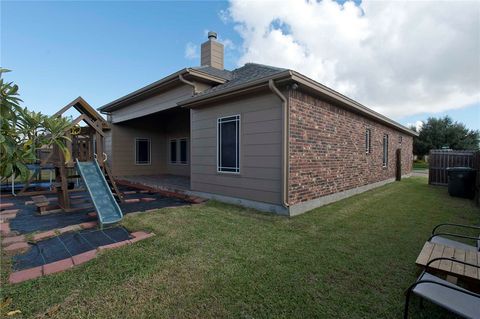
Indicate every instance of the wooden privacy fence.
{"type": "Point", "coordinates": [476, 165]}
{"type": "Point", "coordinates": [440, 160]}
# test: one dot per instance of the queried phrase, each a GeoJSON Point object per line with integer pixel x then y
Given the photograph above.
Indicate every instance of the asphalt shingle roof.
{"type": "Point", "coordinates": [248, 72]}
{"type": "Point", "coordinates": [224, 74]}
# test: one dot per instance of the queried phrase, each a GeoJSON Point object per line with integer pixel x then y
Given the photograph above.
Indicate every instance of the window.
{"type": "Point", "coordinates": [368, 142]}
{"type": "Point", "coordinates": [173, 151]}
{"type": "Point", "coordinates": [142, 151]}
{"type": "Point", "coordinates": [183, 151]}
{"type": "Point", "coordinates": [178, 151]}
{"type": "Point", "coordinates": [400, 138]}
{"type": "Point", "coordinates": [228, 144]}
{"type": "Point", "coordinates": [385, 150]}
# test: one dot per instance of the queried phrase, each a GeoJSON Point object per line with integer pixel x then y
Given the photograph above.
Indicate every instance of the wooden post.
{"type": "Point", "coordinates": [70, 148]}
{"type": "Point", "coordinates": [61, 178]}
{"type": "Point", "coordinates": [99, 144]}
{"type": "Point", "coordinates": [398, 175]}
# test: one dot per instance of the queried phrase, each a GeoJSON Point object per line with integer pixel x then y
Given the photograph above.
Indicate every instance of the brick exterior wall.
{"type": "Point", "coordinates": [327, 149]}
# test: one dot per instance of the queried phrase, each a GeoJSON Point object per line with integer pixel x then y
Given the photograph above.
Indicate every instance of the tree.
{"type": "Point", "coordinates": [437, 133]}
{"type": "Point", "coordinates": [23, 132]}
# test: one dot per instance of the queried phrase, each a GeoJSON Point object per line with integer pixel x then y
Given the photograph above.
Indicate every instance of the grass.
{"type": "Point", "coordinates": [350, 259]}
{"type": "Point", "coordinates": [420, 165]}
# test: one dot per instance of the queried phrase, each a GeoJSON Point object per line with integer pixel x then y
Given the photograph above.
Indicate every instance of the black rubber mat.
{"type": "Point", "coordinates": [28, 221]}
{"type": "Point", "coordinates": [68, 245]}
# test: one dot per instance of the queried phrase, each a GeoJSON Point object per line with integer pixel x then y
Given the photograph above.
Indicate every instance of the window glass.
{"type": "Point", "coordinates": [368, 142]}
{"type": "Point", "coordinates": [183, 151]}
{"type": "Point", "coordinates": [228, 144]}
{"type": "Point", "coordinates": [173, 151]}
{"type": "Point", "coordinates": [142, 155]}
{"type": "Point", "coordinates": [385, 150]}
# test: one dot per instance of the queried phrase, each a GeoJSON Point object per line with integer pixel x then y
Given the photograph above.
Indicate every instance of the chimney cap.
{"type": "Point", "coordinates": [212, 35]}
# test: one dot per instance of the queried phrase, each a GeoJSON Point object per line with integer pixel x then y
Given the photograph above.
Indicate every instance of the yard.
{"type": "Point", "coordinates": [420, 165]}
{"type": "Point", "coordinates": [351, 259]}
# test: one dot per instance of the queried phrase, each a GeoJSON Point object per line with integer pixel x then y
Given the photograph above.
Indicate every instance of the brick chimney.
{"type": "Point", "coordinates": [212, 52]}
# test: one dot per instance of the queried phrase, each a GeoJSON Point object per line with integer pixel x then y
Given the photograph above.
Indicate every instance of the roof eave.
{"type": "Point", "coordinates": [234, 90]}
{"type": "Point", "coordinates": [206, 76]}
{"type": "Point", "coordinates": [120, 102]}
{"type": "Point", "coordinates": [153, 86]}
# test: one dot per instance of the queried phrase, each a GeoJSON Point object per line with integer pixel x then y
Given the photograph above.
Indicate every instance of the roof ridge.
{"type": "Point", "coordinates": [264, 65]}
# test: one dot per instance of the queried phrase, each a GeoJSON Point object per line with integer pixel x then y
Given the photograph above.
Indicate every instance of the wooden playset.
{"type": "Point", "coordinates": [86, 145]}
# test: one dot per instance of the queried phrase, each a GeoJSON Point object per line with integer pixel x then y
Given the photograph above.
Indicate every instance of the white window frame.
{"type": "Point", "coordinates": [368, 141]}
{"type": "Point", "coordinates": [385, 146]}
{"type": "Point", "coordinates": [238, 120]}
{"type": "Point", "coordinates": [149, 150]}
{"type": "Point", "coordinates": [177, 142]}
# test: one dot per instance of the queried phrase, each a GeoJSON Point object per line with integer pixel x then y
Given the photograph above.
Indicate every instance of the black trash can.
{"type": "Point", "coordinates": [461, 181]}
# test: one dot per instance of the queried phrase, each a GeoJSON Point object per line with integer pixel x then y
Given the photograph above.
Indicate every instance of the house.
{"type": "Point", "coordinates": [258, 136]}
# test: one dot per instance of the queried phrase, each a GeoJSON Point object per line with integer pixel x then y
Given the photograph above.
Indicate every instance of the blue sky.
{"type": "Point", "coordinates": [103, 50]}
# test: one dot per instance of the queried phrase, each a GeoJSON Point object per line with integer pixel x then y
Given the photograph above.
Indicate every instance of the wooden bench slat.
{"type": "Point", "coordinates": [431, 251]}
{"type": "Point", "coordinates": [424, 256]}
{"type": "Point", "coordinates": [437, 252]}
{"type": "Point", "coordinates": [458, 268]}
{"type": "Point", "coordinates": [471, 257]}
{"type": "Point", "coordinates": [448, 252]}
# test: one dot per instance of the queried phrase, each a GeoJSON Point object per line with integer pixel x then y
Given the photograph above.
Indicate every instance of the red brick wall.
{"type": "Point", "coordinates": [327, 149]}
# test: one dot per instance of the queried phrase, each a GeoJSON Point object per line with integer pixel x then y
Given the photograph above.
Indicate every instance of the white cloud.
{"type": "Point", "coordinates": [418, 125]}
{"type": "Point", "coordinates": [191, 51]}
{"type": "Point", "coordinates": [224, 16]}
{"type": "Point", "coordinates": [227, 43]}
{"type": "Point", "coordinates": [399, 58]}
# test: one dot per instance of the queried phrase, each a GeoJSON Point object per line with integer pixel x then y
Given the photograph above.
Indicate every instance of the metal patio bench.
{"type": "Point", "coordinates": [449, 296]}
{"type": "Point", "coordinates": [443, 237]}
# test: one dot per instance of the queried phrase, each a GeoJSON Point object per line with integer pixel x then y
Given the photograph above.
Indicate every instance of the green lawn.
{"type": "Point", "coordinates": [351, 259]}
{"type": "Point", "coordinates": [420, 165]}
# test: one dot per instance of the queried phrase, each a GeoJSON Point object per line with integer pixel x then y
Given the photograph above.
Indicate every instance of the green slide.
{"type": "Point", "coordinates": [107, 208]}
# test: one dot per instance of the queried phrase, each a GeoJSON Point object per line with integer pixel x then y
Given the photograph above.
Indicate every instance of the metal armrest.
{"type": "Point", "coordinates": [456, 225]}
{"type": "Point", "coordinates": [449, 259]}
{"type": "Point", "coordinates": [424, 281]}
{"type": "Point", "coordinates": [453, 235]}
{"type": "Point", "coordinates": [462, 290]}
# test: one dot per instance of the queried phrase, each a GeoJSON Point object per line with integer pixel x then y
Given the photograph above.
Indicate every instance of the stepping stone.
{"type": "Point", "coordinates": [114, 245]}
{"type": "Point", "coordinates": [57, 266]}
{"type": "Point", "coordinates": [44, 235]}
{"type": "Point", "coordinates": [26, 274]}
{"type": "Point", "coordinates": [12, 240]}
{"type": "Point", "coordinates": [8, 212]}
{"type": "Point", "coordinates": [5, 230]}
{"type": "Point", "coordinates": [88, 225]}
{"type": "Point", "coordinates": [84, 257]}
{"type": "Point", "coordinates": [6, 205]}
{"type": "Point", "coordinates": [140, 235]}
{"type": "Point", "coordinates": [17, 247]}
{"type": "Point", "coordinates": [5, 217]}
{"type": "Point", "coordinates": [132, 200]}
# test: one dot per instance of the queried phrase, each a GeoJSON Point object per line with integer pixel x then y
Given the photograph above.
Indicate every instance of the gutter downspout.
{"type": "Point", "coordinates": [182, 79]}
{"type": "Point", "coordinates": [285, 142]}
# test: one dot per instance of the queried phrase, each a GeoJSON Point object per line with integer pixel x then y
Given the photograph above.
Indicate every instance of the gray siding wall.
{"type": "Point", "coordinates": [123, 155]}
{"type": "Point", "coordinates": [177, 126]}
{"type": "Point", "coordinates": [260, 149]}
{"type": "Point", "coordinates": [156, 103]}
{"type": "Point", "coordinates": [159, 129]}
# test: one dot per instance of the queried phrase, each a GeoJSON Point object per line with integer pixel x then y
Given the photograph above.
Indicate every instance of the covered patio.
{"type": "Point", "coordinates": [165, 182]}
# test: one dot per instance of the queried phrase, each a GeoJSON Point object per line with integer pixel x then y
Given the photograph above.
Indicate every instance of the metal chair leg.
{"type": "Point", "coordinates": [407, 301]}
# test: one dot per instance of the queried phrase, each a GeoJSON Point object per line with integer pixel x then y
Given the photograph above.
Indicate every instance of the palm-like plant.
{"type": "Point", "coordinates": [22, 132]}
